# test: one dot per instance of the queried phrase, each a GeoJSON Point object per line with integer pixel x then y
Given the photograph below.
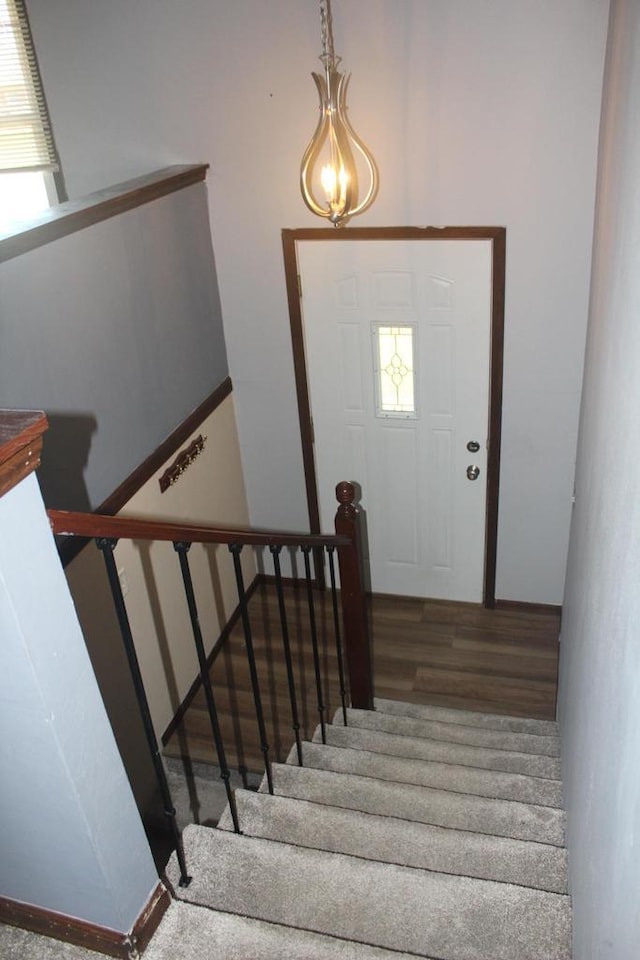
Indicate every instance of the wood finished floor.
{"type": "Point", "coordinates": [425, 651]}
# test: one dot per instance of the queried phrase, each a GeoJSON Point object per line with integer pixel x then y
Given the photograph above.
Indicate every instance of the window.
{"type": "Point", "coordinates": [28, 157]}
{"type": "Point", "coordinates": [393, 353]}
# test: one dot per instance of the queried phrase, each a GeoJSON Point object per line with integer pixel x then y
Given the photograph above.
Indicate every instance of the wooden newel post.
{"type": "Point", "coordinates": [354, 601]}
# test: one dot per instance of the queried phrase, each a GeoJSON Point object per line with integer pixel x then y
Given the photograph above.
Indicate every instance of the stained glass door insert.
{"type": "Point", "coordinates": [395, 375]}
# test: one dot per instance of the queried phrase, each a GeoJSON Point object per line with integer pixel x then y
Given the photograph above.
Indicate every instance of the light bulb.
{"type": "Point", "coordinates": [328, 178]}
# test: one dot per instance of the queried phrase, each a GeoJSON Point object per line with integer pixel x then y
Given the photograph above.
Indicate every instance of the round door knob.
{"type": "Point", "coordinates": [473, 472]}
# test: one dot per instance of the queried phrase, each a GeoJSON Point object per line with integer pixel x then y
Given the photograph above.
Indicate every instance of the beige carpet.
{"type": "Point", "coordinates": [16, 944]}
{"type": "Point", "coordinates": [433, 833]}
{"type": "Point", "coordinates": [414, 832]}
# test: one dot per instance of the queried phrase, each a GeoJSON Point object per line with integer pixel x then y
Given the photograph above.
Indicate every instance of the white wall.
{"type": "Point", "coordinates": [478, 113]}
{"type": "Point", "coordinates": [600, 649]}
{"type": "Point", "coordinates": [71, 839]}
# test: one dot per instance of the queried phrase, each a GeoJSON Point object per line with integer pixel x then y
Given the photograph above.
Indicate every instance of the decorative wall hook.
{"type": "Point", "coordinates": [184, 459]}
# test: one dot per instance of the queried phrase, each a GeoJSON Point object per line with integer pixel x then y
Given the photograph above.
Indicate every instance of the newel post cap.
{"type": "Point", "coordinates": [346, 495]}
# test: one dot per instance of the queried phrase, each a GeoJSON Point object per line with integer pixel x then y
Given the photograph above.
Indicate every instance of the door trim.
{"type": "Point", "coordinates": [497, 236]}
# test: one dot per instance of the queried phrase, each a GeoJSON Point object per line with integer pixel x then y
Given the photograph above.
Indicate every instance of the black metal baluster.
{"type": "Point", "coordinates": [182, 548]}
{"type": "Point", "coordinates": [338, 633]}
{"type": "Point", "coordinates": [314, 642]}
{"type": "Point", "coordinates": [275, 551]}
{"type": "Point", "coordinates": [236, 550]}
{"type": "Point", "coordinates": [107, 545]}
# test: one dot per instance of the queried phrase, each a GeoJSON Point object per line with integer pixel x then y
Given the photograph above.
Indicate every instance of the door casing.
{"type": "Point", "coordinates": [497, 237]}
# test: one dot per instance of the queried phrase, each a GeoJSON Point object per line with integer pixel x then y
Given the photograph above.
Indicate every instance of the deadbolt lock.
{"type": "Point", "coordinates": [473, 446]}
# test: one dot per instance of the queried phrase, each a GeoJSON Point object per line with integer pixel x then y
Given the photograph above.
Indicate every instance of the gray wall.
{"type": "Point", "coordinates": [477, 112]}
{"type": "Point", "coordinates": [600, 650]}
{"type": "Point", "coordinates": [71, 839]}
{"type": "Point", "coordinates": [116, 332]}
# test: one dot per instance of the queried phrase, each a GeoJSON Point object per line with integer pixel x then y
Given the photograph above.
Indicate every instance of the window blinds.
{"type": "Point", "coordinates": [26, 140]}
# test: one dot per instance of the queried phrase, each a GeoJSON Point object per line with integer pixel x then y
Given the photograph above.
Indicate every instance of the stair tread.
{"type": "Point", "coordinates": [453, 777]}
{"type": "Point", "coordinates": [494, 721]}
{"type": "Point", "coordinates": [395, 744]}
{"type": "Point", "coordinates": [422, 804]}
{"type": "Point", "coordinates": [392, 840]}
{"type": "Point", "coordinates": [397, 907]}
{"type": "Point", "coordinates": [454, 732]}
{"type": "Point", "coordinates": [228, 936]}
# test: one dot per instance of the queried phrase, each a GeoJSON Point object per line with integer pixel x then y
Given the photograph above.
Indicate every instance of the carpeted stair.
{"type": "Point", "coordinates": [414, 831]}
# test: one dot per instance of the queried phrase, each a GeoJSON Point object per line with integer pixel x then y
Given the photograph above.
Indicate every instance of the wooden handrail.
{"type": "Point", "coordinates": [346, 540]}
{"type": "Point", "coordinates": [69, 523]}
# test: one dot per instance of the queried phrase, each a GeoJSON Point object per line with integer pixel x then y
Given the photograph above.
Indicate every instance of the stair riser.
{"type": "Point", "coordinates": [547, 768]}
{"type": "Point", "coordinates": [490, 721]}
{"type": "Point", "coordinates": [390, 840]}
{"type": "Point", "coordinates": [224, 936]}
{"type": "Point", "coordinates": [423, 805]}
{"type": "Point", "coordinates": [389, 906]}
{"type": "Point", "coordinates": [453, 733]}
{"type": "Point", "coordinates": [442, 776]}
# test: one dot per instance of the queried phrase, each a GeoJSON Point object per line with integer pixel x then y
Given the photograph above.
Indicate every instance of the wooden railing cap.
{"type": "Point", "coordinates": [20, 445]}
{"type": "Point", "coordinates": [69, 523]}
{"type": "Point", "coordinates": [345, 492]}
{"type": "Point", "coordinates": [346, 496]}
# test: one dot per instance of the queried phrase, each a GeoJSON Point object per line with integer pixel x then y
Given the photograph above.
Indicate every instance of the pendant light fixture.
{"type": "Point", "coordinates": [336, 158]}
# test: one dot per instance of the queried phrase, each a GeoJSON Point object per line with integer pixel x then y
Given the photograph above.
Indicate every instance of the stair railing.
{"type": "Point", "coordinates": [350, 629]}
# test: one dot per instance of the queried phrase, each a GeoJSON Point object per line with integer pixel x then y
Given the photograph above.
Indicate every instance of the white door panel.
{"type": "Point", "coordinates": [425, 518]}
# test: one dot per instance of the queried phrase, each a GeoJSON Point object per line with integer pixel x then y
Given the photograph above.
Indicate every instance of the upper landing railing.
{"type": "Point", "coordinates": [348, 606]}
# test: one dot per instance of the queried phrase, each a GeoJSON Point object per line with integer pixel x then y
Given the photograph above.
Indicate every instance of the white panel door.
{"type": "Point", "coordinates": [425, 516]}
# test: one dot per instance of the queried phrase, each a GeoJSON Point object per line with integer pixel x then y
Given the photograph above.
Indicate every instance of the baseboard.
{"type": "Point", "coordinates": [507, 606]}
{"type": "Point", "coordinates": [518, 606]}
{"type": "Point", "coordinates": [91, 936]}
{"type": "Point", "coordinates": [217, 648]}
{"type": "Point", "coordinates": [149, 920]}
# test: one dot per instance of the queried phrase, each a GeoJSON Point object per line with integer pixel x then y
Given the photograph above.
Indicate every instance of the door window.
{"type": "Point", "coordinates": [394, 370]}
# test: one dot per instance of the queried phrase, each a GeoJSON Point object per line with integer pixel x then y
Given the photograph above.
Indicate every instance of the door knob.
{"type": "Point", "coordinates": [473, 472]}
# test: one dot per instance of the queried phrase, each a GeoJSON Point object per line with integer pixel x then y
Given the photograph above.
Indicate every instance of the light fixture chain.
{"type": "Point", "coordinates": [326, 19]}
{"type": "Point", "coordinates": [336, 159]}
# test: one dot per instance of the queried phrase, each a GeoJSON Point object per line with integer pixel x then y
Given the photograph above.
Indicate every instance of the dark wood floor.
{"type": "Point", "coordinates": [451, 654]}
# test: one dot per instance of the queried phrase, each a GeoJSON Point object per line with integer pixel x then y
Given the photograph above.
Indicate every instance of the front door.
{"type": "Point", "coordinates": [397, 339]}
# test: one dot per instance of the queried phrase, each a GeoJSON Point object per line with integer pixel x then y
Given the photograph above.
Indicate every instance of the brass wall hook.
{"type": "Point", "coordinates": [184, 459]}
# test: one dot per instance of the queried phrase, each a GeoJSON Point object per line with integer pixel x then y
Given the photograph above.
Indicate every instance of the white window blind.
{"type": "Point", "coordinates": [26, 140]}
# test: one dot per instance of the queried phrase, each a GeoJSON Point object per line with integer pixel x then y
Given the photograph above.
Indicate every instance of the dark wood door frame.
{"type": "Point", "coordinates": [497, 236]}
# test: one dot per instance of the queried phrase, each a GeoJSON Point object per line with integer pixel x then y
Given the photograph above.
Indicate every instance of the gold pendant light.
{"type": "Point", "coordinates": [336, 157]}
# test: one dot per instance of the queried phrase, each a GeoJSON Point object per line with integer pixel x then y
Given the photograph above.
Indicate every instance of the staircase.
{"type": "Point", "coordinates": [414, 831]}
